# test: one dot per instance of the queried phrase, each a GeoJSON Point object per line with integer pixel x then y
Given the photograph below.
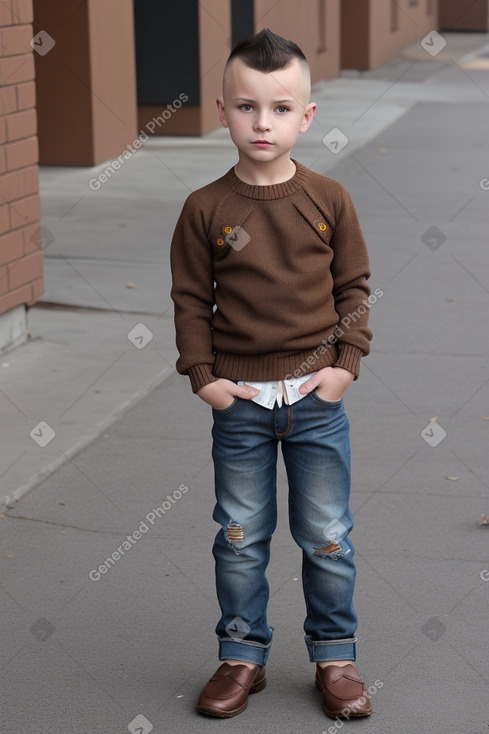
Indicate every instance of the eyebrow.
{"type": "Point", "coordinates": [277, 101]}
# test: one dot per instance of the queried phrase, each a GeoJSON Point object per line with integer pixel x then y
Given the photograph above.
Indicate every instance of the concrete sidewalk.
{"type": "Point", "coordinates": [106, 257]}
{"type": "Point", "coordinates": [91, 651]}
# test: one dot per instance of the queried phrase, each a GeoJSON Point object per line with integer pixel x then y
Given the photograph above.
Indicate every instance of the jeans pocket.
{"type": "Point", "coordinates": [225, 411]}
{"type": "Point", "coordinates": [322, 401]}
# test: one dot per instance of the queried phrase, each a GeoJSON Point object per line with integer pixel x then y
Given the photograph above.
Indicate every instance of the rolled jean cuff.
{"type": "Point", "coordinates": [325, 650]}
{"type": "Point", "coordinates": [252, 652]}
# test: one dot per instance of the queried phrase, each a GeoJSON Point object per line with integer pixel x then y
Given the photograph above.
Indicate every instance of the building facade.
{"type": "Point", "coordinates": [81, 79]}
{"type": "Point", "coordinates": [21, 260]}
{"type": "Point", "coordinates": [373, 31]}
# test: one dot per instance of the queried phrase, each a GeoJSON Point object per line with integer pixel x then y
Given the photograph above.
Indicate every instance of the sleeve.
{"type": "Point", "coordinates": [350, 270]}
{"type": "Point", "coordinates": [192, 293]}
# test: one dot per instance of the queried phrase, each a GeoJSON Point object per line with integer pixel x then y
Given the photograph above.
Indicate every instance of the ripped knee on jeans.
{"type": "Point", "coordinates": [234, 534]}
{"type": "Point", "coordinates": [332, 550]}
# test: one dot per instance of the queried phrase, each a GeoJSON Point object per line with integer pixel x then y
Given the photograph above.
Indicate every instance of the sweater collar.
{"type": "Point", "coordinates": [274, 191]}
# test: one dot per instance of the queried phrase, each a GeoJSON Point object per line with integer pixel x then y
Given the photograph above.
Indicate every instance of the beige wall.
{"type": "Point", "coordinates": [215, 46]}
{"type": "Point", "coordinates": [301, 22]}
{"type": "Point", "coordinates": [368, 35]}
{"type": "Point", "coordinates": [320, 43]}
{"type": "Point", "coordinates": [86, 85]}
{"type": "Point", "coordinates": [414, 23]}
{"type": "Point", "coordinates": [113, 76]}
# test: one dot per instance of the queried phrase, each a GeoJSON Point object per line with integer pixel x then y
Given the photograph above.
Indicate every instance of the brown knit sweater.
{"type": "Point", "coordinates": [269, 281]}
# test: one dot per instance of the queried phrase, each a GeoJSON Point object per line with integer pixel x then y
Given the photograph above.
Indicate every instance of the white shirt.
{"type": "Point", "coordinates": [278, 391]}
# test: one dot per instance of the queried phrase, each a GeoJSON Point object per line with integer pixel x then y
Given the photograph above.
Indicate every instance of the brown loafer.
{"type": "Point", "coordinates": [344, 692]}
{"type": "Point", "coordinates": [226, 693]}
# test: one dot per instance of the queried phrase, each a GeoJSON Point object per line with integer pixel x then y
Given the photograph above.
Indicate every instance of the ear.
{"type": "Point", "coordinates": [309, 113]}
{"type": "Point", "coordinates": [221, 111]}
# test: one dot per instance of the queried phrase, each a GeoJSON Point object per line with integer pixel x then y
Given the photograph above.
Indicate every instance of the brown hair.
{"type": "Point", "coordinates": [266, 51]}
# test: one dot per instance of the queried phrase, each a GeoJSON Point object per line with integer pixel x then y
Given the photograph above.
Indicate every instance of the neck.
{"type": "Point", "coordinates": [264, 174]}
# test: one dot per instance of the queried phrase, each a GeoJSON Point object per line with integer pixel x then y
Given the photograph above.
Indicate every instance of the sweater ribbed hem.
{"type": "Point", "coordinates": [200, 375]}
{"type": "Point", "coordinates": [349, 358]}
{"type": "Point", "coordinates": [261, 368]}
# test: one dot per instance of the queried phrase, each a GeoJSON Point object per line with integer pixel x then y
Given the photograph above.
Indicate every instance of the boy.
{"type": "Point", "coordinates": [270, 290]}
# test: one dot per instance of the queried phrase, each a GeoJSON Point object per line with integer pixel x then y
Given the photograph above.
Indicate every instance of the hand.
{"type": "Point", "coordinates": [330, 383]}
{"type": "Point", "coordinates": [221, 393]}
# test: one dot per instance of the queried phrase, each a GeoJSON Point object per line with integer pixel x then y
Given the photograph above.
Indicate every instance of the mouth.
{"type": "Point", "coordinates": [261, 143]}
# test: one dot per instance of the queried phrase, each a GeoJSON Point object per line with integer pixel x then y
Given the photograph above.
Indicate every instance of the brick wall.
{"type": "Point", "coordinates": [21, 259]}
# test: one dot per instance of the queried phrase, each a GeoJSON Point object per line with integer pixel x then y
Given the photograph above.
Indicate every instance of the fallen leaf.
{"type": "Point", "coordinates": [130, 285]}
{"type": "Point", "coordinates": [484, 519]}
{"type": "Point", "coordinates": [453, 479]}
{"type": "Point", "coordinates": [433, 420]}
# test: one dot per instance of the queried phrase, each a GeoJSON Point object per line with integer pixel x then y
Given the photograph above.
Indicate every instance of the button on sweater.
{"type": "Point", "coordinates": [269, 282]}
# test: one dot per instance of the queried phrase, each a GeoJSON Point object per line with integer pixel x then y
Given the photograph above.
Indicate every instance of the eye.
{"type": "Point", "coordinates": [245, 107]}
{"type": "Point", "coordinates": [281, 109]}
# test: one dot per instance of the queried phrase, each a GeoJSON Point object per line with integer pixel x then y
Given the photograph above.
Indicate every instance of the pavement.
{"type": "Point", "coordinates": [104, 446]}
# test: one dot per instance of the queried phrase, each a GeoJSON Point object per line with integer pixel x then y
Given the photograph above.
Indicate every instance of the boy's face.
{"type": "Point", "coordinates": [265, 112]}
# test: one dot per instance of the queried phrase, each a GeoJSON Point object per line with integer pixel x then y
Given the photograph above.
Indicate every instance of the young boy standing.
{"type": "Point", "coordinates": [270, 290]}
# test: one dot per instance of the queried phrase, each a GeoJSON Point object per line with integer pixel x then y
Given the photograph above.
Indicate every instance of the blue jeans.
{"type": "Point", "coordinates": [314, 434]}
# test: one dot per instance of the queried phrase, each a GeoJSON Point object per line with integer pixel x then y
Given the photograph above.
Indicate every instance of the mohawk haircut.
{"type": "Point", "coordinates": [266, 52]}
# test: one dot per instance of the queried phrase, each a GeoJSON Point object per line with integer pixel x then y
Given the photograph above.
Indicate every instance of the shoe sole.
{"type": "Point", "coordinates": [256, 688]}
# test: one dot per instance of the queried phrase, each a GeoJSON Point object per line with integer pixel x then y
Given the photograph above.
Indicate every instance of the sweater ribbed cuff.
{"type": "Point", "coordinates": [200, 375]}
{"type": "Point", "coordinates": [349, 358]}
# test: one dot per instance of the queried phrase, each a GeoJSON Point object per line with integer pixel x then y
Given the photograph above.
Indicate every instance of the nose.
{"type": "Point", "coordinates": [262, 121]}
